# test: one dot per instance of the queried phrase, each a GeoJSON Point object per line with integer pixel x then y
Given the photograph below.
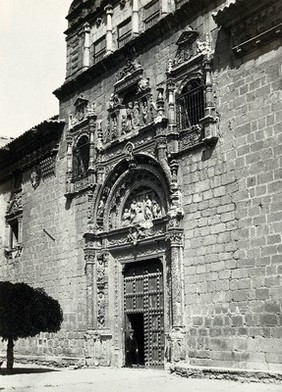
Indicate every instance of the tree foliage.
{"type": "Point", "coordinates": [25, 311]}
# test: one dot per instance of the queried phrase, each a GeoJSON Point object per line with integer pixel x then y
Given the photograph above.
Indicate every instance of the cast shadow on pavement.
{"type": "Point", "coordinates": [25, 370]}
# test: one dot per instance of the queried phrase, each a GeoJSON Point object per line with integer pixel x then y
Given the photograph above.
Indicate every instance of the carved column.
{"type": "Point", "coordinates": [162, 156]}
{"type": "Point", "coordinates": [92, 147]}
{"type": "Point", "coordinates": [86, 47]}
{"type": "Point", "coordinates": [175, 237]}
{"type": "Point", "coordinates": [135, 17]}
{"type": "Point", "coordinates": [109, 34]}
{"type": "Point", "coordinates": [160, 102]}
{"type": "Point", "coordinates": [102, 291]}
{"type": "Point", "coordinates": [69, 163]}
{"type": "Point", "coordinates": [209, 121]}
{"type": "Point", "coordinates": [90, 290]}
{"type": "Point", "coordinates": [171, 106]}
{"type": "Point", "coordinates": [209, 107]}
{"type": "Point", "coordinates": [176, 339]}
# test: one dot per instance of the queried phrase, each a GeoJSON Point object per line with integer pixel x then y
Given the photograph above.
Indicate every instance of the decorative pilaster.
{"type": "Point", "coordinates": [175, 236]}
{"type": "Point", "coordinates": [162, 156]}
{"type": "Point", "coordinates": [86, 47]}
{"type": "Point", "coordinates": [92, 148]}
{"type": "Point", "coordinates": [69, 163]}
{"type": "Point", "coordinates": [109, 34]}
{"type": "Point", "coordinates": [160, 102]}
{"type": "Point", "coordinates": [90, 298]}
{"type": "Point", "coordinates": [171, 107]}
{"type": "Point", "coordinates": [102, 291]}
{"type": "Point", "coordinates": [135, 17]}
{"type": "Point", "coordinates": [209, 121]}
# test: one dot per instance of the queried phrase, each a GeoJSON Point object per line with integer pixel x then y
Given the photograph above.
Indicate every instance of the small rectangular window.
{"type": "Point", "coordinates": [124, 32]}
{"type": "Point", "coordinates": [99, 49]}
{"type": "Point", "coordinates": [151, 13]}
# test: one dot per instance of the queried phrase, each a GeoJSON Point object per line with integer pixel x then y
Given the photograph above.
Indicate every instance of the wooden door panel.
{"type": "Point", "coordinates": [143, 293]}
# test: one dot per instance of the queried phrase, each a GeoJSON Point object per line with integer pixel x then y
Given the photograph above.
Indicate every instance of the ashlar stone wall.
{"type": "Point", "coordinates": [233, 212]}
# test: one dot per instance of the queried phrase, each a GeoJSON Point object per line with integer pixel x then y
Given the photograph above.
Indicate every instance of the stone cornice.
{"type": "Point", "coordinates": [238, 10]}
{"type": "Point", "coordinates": [251, 23]}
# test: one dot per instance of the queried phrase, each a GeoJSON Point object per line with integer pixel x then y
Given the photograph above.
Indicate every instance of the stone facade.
{"type": "Point", "coordinates": [167, 149]}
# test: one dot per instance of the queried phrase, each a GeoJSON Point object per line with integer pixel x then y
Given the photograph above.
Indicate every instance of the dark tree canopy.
{"type": "Point", "coordinates": [25, 311]}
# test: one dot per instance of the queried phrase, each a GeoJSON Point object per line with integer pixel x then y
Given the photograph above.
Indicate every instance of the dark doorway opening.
{"type": "Point", "coordinates": [144, 313]}
{"type": "Point", "coordinates": [135, 340]}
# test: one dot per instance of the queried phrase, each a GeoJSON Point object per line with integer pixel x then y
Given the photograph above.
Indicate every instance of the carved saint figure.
{"type": "Point", "coordinates": [136, 115]}
{"type": "Point", "coordinates": [133, 209]}
{"type": "Point", "coordinates": [124, 128]}
{"type": "Point", "coordinates": [157, 213]}
{"type": "Point", "coordinates": [129, 116]}
{"type": "Point", "coordinates": [139, 216]}
{"type": "Point", "coordinates": [114, 101]}
{"type": "Point", "coordinates": [126, 217]}
{"type": "Point", "coordinates": [100, 209]}
{"type": "Point", "coordinates": [114, 128]}
{"type": "Point", "coordinates": [145, 110]}
{"type": "Point", "coordinates": [148, 208]}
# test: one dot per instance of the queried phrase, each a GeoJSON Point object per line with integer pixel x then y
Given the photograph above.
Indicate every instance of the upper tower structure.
{"type": "Point", "coordinates": [98, 28]}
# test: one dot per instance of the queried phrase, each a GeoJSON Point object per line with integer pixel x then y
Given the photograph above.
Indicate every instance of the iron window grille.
{"type": "Point", "coordinates": [190, 105]}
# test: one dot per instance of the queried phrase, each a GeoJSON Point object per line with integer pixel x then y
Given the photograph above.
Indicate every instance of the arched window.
{"type": "Point", "coordinates": [81, 157]}
{"type": "Point", "coordinates": [190, 104]}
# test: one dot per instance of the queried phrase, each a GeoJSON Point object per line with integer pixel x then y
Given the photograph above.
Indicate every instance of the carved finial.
{"type": "Point", "coordinates": [169, 66]}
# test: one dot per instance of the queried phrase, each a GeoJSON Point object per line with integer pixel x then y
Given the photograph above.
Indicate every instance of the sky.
{"type": "Point", "coordinates": [32, 61]}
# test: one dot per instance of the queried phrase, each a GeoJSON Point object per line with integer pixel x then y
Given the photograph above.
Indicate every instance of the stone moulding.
{"type": "Point", "coordinates": [241, 375]}
{"type": "Point", "coordinates": [131, 77]}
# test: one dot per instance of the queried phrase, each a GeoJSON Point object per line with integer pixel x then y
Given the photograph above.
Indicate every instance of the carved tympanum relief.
{"type": "Point", "coordinates": [141, 208]}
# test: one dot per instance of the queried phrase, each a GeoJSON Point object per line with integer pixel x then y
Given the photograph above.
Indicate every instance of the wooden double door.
{"type": "Point", "coordinates": [144, 314]}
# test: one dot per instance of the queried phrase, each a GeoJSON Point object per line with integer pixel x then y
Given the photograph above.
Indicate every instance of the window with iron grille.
{"type": "Point", "coordinates": [190, 104]}
{"type": "Point", "coordinates": [124, 32]}
{"type": "Point", "coordinates": [99, 49]}
{"type": "Point", "coordinates": [81, 158]}
{"type": "Point", "coordinates": [151, 13]}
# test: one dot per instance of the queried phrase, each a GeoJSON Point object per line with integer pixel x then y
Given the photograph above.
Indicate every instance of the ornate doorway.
{"type": "Point", "coordinates": [144, 313]}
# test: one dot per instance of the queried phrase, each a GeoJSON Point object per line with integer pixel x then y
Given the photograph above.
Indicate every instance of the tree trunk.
{"type": "Point", "coordinates": [10, 354]}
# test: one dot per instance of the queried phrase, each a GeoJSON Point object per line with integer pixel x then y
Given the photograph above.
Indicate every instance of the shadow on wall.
{"type": "Point", "coordinates": [225, 58]}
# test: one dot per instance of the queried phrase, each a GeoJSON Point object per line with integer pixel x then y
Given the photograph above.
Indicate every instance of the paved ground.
{"type": "Point", "coordinates": [120, 380]}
